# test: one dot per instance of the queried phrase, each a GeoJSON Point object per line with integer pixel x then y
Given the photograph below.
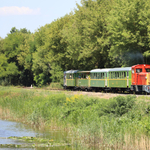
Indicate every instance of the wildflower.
{"type": "Point", "coordinates": [67, 99]}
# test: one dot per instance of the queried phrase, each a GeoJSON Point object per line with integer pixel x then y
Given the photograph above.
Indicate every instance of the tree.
{"type": "Point", "coordinates": [50, 52]}
{"type": "Point", "coordinates": [7, 70]}
{"type": "Point", "coordinates": [86, 35]}
{"type": "Point", "coordinates": [13, 30]}
{"type": "Point", "coordinates": [16, 48]}
{"type": "Point", "coordinates": [128, 26]}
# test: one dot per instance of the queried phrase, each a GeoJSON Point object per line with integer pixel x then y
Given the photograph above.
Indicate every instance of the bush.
{"type": "Point", "coordinates": [119, 105]}
{"type": "Point", "coordinates": [5, 82]}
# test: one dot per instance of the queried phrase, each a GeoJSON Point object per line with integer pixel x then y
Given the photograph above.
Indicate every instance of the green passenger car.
{"type": "Point", "coordinates": [119, 77]}
{"type": "Point", "coordinates": [98, 78]}
{"type": "Point", "coordinates": [70, 78]}
{"type": "Point", "coordinates": [75, 79]}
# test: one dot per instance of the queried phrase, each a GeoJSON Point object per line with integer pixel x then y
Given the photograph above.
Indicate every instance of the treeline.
{"type": "Point", "coordinates": [98, 34]}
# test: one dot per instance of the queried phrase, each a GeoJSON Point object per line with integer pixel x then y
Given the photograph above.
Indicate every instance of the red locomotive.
{"type": "Point", "coordinates": [140, 78]}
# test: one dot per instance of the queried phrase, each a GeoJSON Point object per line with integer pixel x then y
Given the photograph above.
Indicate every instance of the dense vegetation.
{"type": "Point", "coordinates": [115, 123]}
{"type": "Point", "coordinates": [98, 34]}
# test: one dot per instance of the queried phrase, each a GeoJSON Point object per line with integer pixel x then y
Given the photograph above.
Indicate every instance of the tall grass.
{"type": "Point", "coordinates": [117, 123]}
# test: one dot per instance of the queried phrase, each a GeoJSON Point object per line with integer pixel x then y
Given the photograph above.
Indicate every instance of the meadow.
{"type": "Point", "coordinates": [121, 122]}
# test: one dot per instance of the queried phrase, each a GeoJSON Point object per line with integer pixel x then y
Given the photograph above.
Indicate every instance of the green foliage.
{"type": "Point", "coordinates": [120, 105]}
{"type": "Point", "coordinates": [55, 85]}
{"type": "Point", "coordinates": [56, 73]}
{"type": "Point", "coordinates": [7, 70]}
{"type": "Point", "coordinates": [19, 59]}
{"type": "Point", "coordinates": [98, 34]}
{"type": "Point", "coordinates": [109, 120]}
{"type": "Point", "coordinates": [128, 28]}
{"type": "Point", "coordinates": [86, 36]}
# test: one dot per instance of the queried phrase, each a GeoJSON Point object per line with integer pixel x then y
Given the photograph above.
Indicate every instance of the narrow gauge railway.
{"type": "Point", "coordinates": [128, 79]}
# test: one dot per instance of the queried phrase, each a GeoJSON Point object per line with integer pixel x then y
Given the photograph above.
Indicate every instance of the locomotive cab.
{"type": "Point", "coordinates": [141, 78]}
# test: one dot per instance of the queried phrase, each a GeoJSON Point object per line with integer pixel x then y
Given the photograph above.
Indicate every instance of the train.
{"type": "Point", "coordinates": [126, 79]}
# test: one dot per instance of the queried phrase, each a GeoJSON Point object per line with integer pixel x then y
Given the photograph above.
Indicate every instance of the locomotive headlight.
{"type": "Point", "coordinates": [145, 77]}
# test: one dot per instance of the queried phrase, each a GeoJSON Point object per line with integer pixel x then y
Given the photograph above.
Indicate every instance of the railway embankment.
{"type": "Point", "coordinates": [120, 122]}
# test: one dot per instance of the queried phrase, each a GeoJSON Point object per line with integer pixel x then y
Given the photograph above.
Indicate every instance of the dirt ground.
{"type": "Point", "coordinates": [97, 94]}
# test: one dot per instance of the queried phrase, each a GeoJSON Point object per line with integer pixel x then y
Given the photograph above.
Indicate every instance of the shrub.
{"type": "Point", "coordinates": [119, 105]}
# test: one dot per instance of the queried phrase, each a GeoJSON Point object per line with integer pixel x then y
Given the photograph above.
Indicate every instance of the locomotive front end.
{"type": "Point", "coordinates": [141, 78]}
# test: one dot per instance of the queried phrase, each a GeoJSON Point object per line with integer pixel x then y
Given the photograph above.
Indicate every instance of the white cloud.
{"type": "Point", "coordinates": [14, 10]}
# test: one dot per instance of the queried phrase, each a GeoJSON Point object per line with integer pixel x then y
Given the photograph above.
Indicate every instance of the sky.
{"type": "Point", "coordinates": [32, 14]}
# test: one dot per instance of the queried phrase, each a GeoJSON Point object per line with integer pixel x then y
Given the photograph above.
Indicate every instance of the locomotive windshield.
{"type": "Point", "coordinates": [138, 70]}
{"type": "Point", "coordinates": [147, 69]}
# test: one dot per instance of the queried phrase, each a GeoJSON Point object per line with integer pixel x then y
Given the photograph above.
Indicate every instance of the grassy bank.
{"type": "Point", "coordinates": [117, 123]}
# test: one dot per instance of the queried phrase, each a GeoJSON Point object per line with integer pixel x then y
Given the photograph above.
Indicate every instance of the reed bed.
{"type": "Point", "coordinates": [118, 123]}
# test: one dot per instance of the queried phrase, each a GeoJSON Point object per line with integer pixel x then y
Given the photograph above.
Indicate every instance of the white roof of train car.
{"type": "Point", "coordinates": [111, 69]}
{"type": "Point", "coordinates": [71, 71]}
{"type": "Point", "coordinates": [99, 70]}
{"type": "Point", "coordinates": [120, 69]}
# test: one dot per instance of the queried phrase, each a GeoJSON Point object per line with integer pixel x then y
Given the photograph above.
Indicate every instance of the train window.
{"type": "Point", "coordinates": [138, 70]}
{"type": "Point", "coordinates": [132, 70]}
{"type": "Point", "coordinates": [83, 76]}
{"type": "Point", "coordinates": [79, 76]}
{"type": "Point", "coordinates": [94, 75]}
{"type": "Point", "coordinates": [124, 74]}
{"type": "Point", "coordinates": [127, 73]}
{"type": "Point", "coordinates": [147, 69]}
{"type": "Point", "coordinates": [121, 75]}
{"type": "Point", "coordinates": [113, 74]}
{"type": "Point", "coordinates": [106, 74]}
{"type": "Point", "coordinates": [117, 74]}
{"type": "Point", "coordinates": [97, 75]}
{"type": "Point", "coordinates": [102, 75]}
{"type": "Point", "coordinates": [70, 76]}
